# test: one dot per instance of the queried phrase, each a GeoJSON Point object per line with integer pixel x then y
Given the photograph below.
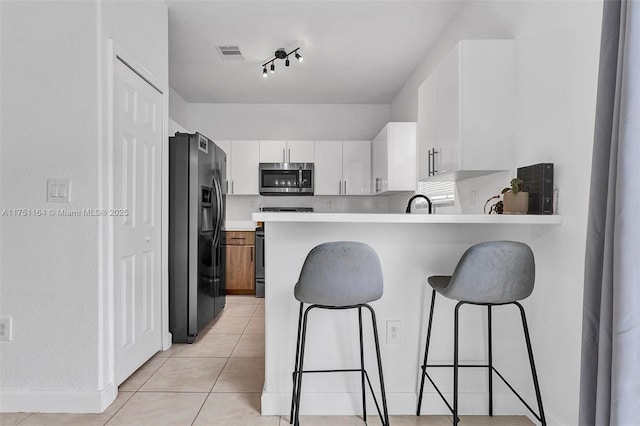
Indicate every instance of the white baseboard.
{"type": "Point", "coordinates": [52, 401]}
{"type": "Point", "coordinates": [348, 404]}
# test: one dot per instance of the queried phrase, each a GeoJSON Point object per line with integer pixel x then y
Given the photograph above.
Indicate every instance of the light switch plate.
{"type": "Point", "coordinates": [5, 329]}
{"type": "Point", "coordinates": [58, 191]}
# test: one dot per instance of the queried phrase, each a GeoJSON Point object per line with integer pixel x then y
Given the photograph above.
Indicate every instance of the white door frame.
{"type": "Point", "coordinates": [106, 348]}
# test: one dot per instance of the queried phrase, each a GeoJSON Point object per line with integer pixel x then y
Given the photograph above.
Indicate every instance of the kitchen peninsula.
{"type": "Point", "coordinates": [410, 247]}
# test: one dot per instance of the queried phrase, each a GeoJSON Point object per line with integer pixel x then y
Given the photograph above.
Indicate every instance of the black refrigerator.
{"type": "Point", "coordinates": [197, 202]}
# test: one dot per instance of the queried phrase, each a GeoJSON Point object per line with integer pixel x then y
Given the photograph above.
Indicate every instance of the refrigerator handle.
{"type": "Point", "coordinates": [218, 228]}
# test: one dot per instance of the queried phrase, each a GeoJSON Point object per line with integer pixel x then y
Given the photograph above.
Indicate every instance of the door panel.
{"type": "Point", "coordinates": [356, 167]}
{"type": "Point", "coordinates": [328, 168]}
{"type": "Point", "coordinates": [137, 234]}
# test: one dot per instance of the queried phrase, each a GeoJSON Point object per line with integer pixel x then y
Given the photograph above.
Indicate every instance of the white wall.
{"type": "Point", "coordinates": [49, 273]}
{"type": "Point", "coordinates": [557, 48]}
{"type": "Point", "coordinates": [178, 110]}
{"type": "Point", "coordinates": [288, 121]}
{"type": "Point", "coordinates": [53, 103]}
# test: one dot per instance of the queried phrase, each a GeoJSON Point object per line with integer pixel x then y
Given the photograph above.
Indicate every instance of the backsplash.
{"type": "Point", "coordinates": [240, 207]}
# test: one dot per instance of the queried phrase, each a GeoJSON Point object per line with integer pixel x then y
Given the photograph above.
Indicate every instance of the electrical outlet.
{"type": "Point", "coordinates": [5, 329]}
{"type": "Point", "coordinates": [394, 332]}
{"type": "Point", "coordinates": [329, 205]}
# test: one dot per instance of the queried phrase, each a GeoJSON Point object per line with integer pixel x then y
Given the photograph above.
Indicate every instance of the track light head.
{"type": "Point", "coordinates": [299, 57]}
{"type": "Point", "coordinates": [286, 63]}
{"type": "Point", "coordinates": [273, 68]}
{"type": "Point", "coordinates": [264, 72]}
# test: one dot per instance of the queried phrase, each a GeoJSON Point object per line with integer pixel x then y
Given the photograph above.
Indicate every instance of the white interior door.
{"type": "Point", "coordinates": [137, 230]}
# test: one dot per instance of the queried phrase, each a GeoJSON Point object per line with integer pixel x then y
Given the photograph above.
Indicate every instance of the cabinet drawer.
{"type": "Point", "coordinates": [240, 238]}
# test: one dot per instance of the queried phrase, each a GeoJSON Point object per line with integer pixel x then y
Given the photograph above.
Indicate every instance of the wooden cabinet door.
{"type": "Point", "coordinates": [240, 270]}
{"type": "Point", "coordinates": [356, 167]}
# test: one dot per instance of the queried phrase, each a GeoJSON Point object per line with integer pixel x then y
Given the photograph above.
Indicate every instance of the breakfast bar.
{"type": "Point", "coordinates": [410, 248]}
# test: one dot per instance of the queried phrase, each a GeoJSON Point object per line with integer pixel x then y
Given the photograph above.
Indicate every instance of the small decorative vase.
{"type": "Point", "coordinates": [516, 203]}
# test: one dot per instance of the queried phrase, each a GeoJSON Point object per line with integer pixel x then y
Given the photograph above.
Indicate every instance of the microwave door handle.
{"type": "Point", "coordinates": [300, 178]}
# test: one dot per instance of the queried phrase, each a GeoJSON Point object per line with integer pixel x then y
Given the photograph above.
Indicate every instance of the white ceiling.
{"type": "Point", "coordinates": [358, 52]}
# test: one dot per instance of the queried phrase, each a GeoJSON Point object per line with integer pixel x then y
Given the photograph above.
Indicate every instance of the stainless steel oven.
{"type": "Point", "coordinates": [286, 178]}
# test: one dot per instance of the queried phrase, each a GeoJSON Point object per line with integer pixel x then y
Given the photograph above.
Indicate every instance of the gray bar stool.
{"type": "Point", "coordinates": [338, 275]}
{"type": "Point", "coordinates": [488, 274]}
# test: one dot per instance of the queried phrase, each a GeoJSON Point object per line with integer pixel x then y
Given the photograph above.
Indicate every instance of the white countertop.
{"type": "Point", "coordinates": [406, 218]}
{"type": "Point", "coordinates": [240, 225]}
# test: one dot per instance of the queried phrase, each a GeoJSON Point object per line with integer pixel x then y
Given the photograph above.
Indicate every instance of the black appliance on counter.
{"type": "Point", "coordinates": [197, 201]}
{"type": "Point", "coordinates": [287, 209]}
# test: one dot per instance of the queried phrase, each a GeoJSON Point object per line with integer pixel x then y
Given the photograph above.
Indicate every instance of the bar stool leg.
{"type": "Point", "coordinates": [377, 343]}
{"type": "Point", "coordinates": [532, 363]}
{"type": "Point", "coordinates": [426, 351]}
{"type": "Point", "coordinates": [295, 368]}
{"type": "Point", "coordinates": [455, 364]}
{"type": "Point", "coordinates": [296, 421]}
{"type": "Point", "coordinates": [490, 361]}
{"type": "Point", "coordinates": [364, 396]}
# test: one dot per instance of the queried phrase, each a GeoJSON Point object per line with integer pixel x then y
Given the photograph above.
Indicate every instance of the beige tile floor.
{"type": "Point", "coordinates": [215, 381]}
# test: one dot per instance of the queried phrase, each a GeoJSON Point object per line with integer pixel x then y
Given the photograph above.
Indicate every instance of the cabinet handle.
{"type": "Point", "coordinates": [377, 184]}
{"type": "Point", "coordinates": [227, 187]}
{"type": "Point", "coordinates": [284, 158]}
{"type": "Point", "coordinates": [434, 161]}
{"type": "Point", "coordinates": [232, 190]}
{"type": "Point", "coordinates": [252, 248]}
{"type": "Point", "coordinates": [339, 188]}
{"type": "Point", "coordinates": [345, 188]}
{"type": "Point", "coordinates": [429, 173]}
{"type": "Point", "coordinates": [289, 155]}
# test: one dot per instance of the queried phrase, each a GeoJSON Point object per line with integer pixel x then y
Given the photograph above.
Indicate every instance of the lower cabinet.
{"type": "Point", "coordinates": [241, 262]}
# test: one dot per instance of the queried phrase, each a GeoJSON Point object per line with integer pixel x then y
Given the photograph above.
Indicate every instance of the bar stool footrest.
{"type": "Point", "coordinates": [350, 370]}
{"type": "Point", "coordinates": [424, 371]}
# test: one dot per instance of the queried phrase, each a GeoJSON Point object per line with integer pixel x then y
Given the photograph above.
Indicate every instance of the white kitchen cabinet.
{"type": "Point", "coordinates": [356, 167]}
{"type": "Point", "coordinates": [394, 158]}
{"type": "Point", "coordinates": [466, 112]}
{"type": "Point", "coordinates": [342, 167]}
{"type": "Point", "coordinates": [327, 168]}
{"type": "Point", "coordinates": [244, 161]}
{"type": "Point", "coordinates": [274, 151]}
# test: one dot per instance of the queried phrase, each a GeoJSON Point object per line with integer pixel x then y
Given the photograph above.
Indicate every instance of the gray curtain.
{"type": "Point", "coordinates": [610, 369]}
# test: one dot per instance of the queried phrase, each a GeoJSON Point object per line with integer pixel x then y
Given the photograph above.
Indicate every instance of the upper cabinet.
{"type": "Point", "coordinates": [242, 160]}
{"type": "Point", "coordinates": [286, 151]}
{"type": "Point", "coordinates": [342, 167]}
{"type": "Point", "coordinates": [394, 158]}
{"type": "Point", "coordinates": [466, 112]}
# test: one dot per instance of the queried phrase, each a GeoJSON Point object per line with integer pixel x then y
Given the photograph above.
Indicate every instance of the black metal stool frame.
{"type": "Point", "coordinates": [491, 369]}
{"type": "Point", "coordinates": [298, 370]}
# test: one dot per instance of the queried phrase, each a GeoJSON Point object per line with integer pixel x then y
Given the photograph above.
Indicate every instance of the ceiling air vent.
{"type": "Point", "coordinates": [230, 53]}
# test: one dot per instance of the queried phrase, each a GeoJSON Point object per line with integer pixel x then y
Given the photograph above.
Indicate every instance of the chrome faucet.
{"type": "Point", "coordinates": [418, 196]}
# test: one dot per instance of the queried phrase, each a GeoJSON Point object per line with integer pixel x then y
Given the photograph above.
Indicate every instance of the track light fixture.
{"type": "Point", "coordinates": [280, 54]}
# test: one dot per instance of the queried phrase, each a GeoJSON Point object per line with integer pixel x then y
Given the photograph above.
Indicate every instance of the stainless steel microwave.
{"type": "Point", "coordinates": [286, 178]}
